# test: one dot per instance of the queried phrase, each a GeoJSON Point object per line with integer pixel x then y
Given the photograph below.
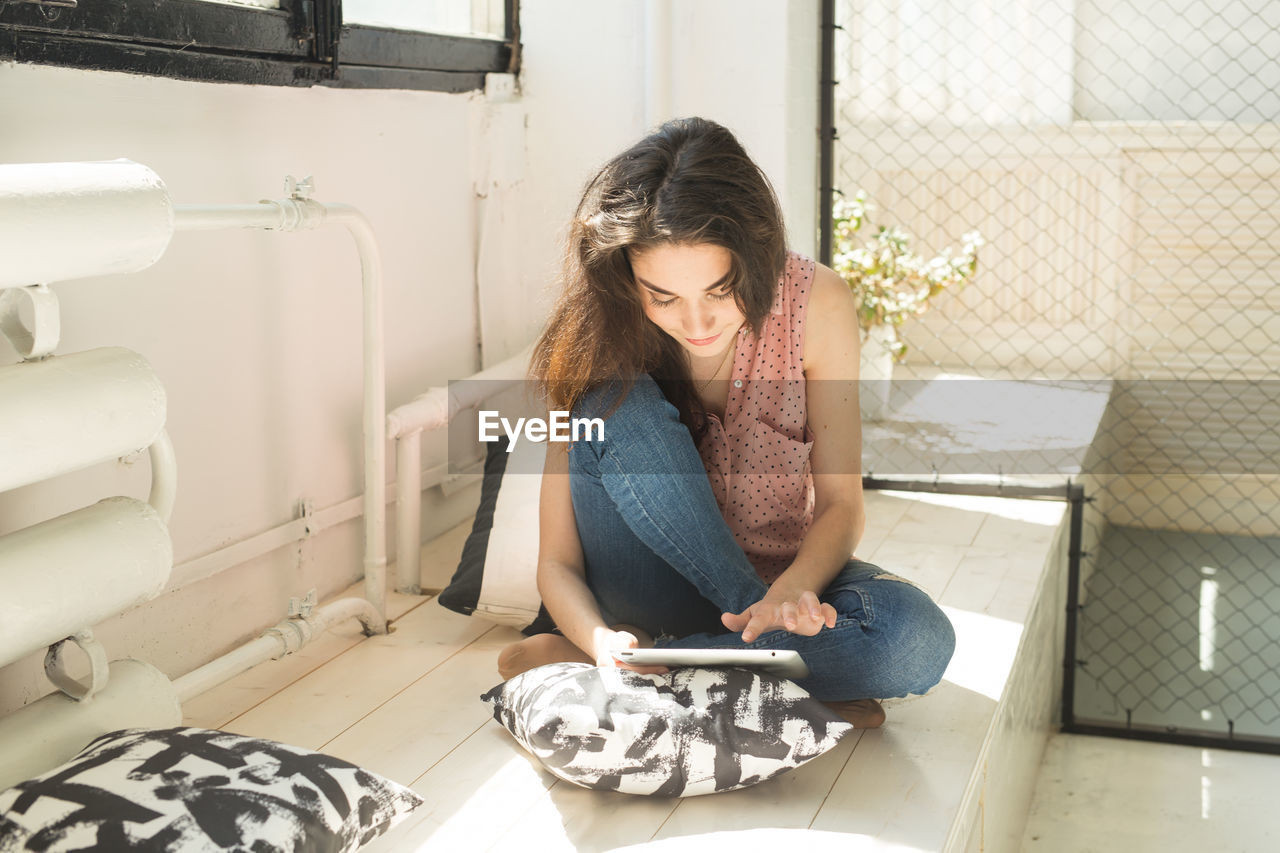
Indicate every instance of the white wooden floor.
{"type": "Point", "coordinates": [407, 705]}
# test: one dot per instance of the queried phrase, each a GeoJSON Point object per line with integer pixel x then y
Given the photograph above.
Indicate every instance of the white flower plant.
{"type": "Point", "coordinates": [891, 281]}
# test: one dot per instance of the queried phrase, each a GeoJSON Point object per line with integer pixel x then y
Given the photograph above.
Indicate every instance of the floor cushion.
{"type": "Point", "coordinates": [188, 789]}
{"type": "Point", "coordinates": [690, 731]}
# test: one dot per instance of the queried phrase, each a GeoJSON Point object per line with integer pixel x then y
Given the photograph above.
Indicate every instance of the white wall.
{"type": "Point", "coordinates": [257, 335]}
{"type": "Point", "coordinates": [753, 66]}
{"type": "Point", "coordinates": [582, 92]}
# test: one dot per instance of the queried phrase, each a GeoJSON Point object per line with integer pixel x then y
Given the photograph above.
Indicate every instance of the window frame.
{"type": "Point", "coordinates": [303, 43]}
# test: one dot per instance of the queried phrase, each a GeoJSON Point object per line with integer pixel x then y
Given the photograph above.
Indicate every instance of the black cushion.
{"type": "Point", "coordinates": [466, 592]}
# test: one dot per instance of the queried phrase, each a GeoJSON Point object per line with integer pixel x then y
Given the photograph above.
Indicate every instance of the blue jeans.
{"type": "Point", "coordinates": [660, 556]}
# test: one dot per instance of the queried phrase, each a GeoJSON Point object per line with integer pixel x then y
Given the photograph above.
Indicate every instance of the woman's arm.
{"type": "Point", "coordinates": [562, 578]}
{"type": "Point", "coordinates": [831, 396]}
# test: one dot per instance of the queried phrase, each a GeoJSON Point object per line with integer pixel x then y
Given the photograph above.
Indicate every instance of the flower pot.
{"type": "Point", "coordinates": [875, 372]}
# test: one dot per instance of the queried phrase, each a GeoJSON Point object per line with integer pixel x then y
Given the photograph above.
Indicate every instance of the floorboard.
{"type": "Point", "coordinates": [407, 705]}
{"type": "Point", "coordinates": [471, 796]}
{"type": "Point", "coordinates": [318, 707]}
{"type": "Point", "coordinates": [418, 726]}
{"type": "Point", "coordinates": [215, 708]}
{"type": "Point", "coordinates": [570, 818]}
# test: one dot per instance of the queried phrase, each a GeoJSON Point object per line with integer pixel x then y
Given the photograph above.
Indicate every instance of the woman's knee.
{"type": "Point", "coordinates": [943, 643]}
{"type": "Point", "coordinates": [912, 638]}
{"type": "Point", "coordinates": [927, 639]}
{"type": "Point", "coordinates": [620, 398]}
{"type": "Point", "coordinates": [641, 434]}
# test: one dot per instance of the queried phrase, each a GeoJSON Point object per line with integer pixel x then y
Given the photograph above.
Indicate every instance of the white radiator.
{"type": "Point", "coordinates": [61, 413]}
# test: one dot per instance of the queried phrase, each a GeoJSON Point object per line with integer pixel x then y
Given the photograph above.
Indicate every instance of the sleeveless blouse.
{"type": "Point", "coordinates": [757, 458]}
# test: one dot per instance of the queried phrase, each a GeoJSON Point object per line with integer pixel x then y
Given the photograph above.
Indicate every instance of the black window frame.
{"type": "Point", "coordinates": [303, 43]}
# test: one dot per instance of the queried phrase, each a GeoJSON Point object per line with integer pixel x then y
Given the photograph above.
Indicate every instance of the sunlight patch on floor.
{"type": "Point", "coordinates": [768, 839]}
{"type": "Point", "coordinates": [457, 830]}
{"type": "Point", "coordinates": [985, 650]}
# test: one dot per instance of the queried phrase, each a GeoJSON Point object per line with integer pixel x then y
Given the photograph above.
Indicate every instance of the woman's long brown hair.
{"type": "Point", "coordinates": [691, 182]}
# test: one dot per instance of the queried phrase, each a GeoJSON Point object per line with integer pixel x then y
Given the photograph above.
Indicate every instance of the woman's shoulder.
{"type": "Point", "coordinates": [832, 336]}
{"type": "Point", "coordinates": [803, 272]}
{"type": "Point", "coordinates": [828, 289]}
{"type": "Point", "coordinates": [794, 287]}
{"type": "Point", "coordinates": [816, 286]}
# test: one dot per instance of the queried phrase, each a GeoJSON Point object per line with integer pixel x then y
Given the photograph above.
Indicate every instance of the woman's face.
{"type": "Point", "coordinates": [683, 288]}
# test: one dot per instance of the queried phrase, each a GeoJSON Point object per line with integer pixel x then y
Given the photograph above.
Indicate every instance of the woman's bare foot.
{"type": "Point", "coordinates": [863, 713]}
{"type": "Point", "coordinates": [542, 649]}
{"type": "Point", "coordinates": [538, 650]}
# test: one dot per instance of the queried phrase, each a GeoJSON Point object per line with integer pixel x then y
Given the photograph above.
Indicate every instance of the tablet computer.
{"type": "Point", "coordinates": [786, 664]}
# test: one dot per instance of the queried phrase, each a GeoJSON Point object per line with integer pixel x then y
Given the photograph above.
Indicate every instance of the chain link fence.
{"type": "Point", "coordinates": [1120, 162]}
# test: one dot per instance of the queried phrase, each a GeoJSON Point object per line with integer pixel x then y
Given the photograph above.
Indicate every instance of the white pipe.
{"type": "Point", "coordinates": [291, 214]}
{"type": "Point", "coordinates": [408, 514]}
{"type": "Point", "coordinates": [61, 221]}
{"type": "Point", "coordinates": [435, 408]}
{"type": "Point", "coordinates": [208, 565]}
{"type": "Point", "coordinates": [41, 337]}
{"type": "Point", "coordinates": [283, 639]}
{"type": "Point", "coordinates": [375, 409]}
{"type": "Point", "coordinates": [191, 217]}
{"type": "Point", "coordinates": [164, 476]}
{"type": "Point", "coordinates": [279, 215]}
{"type": "Point", "coordinates": [299, 213]}
{"type": "Point", "coordinates": [328, 615]}
{"type": "Point", "coordinates": [78, 569]}
{"type": "Point", "coordinates": [409, 488]}
{"type": "Point", "coordinates": [228, 666]}
{"type": "Point", "coordinates": [55, 666]}
{"type": "Point", "coordinates": [52, 730]}
{"type": "Point", "coordinates": [430, 411]}
{"type": "Point", "coordinates": [425, 412]}
{"type": "Point", "coordinates": [238, 553]}
{"type": "Point", "coordinates": [67, 412]}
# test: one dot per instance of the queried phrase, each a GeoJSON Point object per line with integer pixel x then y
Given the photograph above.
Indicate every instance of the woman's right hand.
{"type": "Point", "coordinates": [799, 612]}
{"type": "Point", "coordinates": [607, 641]}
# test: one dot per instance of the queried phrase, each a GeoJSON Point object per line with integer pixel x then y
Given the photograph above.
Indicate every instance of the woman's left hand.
{"type": "Point", "coordinates": [800, 613]}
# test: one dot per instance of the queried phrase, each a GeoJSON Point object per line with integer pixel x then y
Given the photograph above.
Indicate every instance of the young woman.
{"type": "Point", "coordinates": [723, 503]}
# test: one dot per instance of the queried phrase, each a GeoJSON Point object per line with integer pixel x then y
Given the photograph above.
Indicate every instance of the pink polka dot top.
{"type": "Point", "coordinates": [757, 459]}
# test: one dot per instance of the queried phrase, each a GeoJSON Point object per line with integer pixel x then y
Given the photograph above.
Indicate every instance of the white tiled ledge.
{"type": "Point", "coordinates": [963, 760]}
{"type": "Point", "coordinates": [953, 770]}
{"type": "Point", "coordinates": [951, 423]}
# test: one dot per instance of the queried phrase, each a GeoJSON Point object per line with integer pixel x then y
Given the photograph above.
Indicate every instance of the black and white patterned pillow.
{"type": "Point", "coordinates": [691, 731]}
{"type": "Point", "coordinates": [186, 789]}
{"type": "Point", "coordinates": [496, 577]}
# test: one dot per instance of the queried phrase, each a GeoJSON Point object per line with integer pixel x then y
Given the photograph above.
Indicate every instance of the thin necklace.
{"type": "Point", "coordinates": [720, 366]}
